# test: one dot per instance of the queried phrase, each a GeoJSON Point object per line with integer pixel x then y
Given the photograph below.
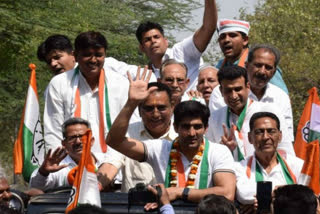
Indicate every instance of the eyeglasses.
{"type": "Point", "coordinates": [73, 138]}
{"type": "Point", "coordinates": [170, 81]}
{"type": "Point", "coordinates": [270, 132]}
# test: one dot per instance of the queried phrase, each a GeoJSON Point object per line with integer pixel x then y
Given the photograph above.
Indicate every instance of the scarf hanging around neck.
{"type": "Point", "coordinates": [104, 110]}
{"type": "Point", "coordinates": [287, 172]}
{"type": "Point", "coordinates": [241, 61]}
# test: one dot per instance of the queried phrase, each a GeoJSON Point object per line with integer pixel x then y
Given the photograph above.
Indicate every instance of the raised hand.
{"type": "Point", "coordinates": [51, 162]}
{"type": "Point", "coordinates": [138, 90]}
{"type": "Point", "coordinates": [229, 139]}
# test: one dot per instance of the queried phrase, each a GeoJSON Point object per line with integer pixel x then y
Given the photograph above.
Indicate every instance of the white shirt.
{"type": "Point", "coordinates": [186, 52]}
{"type": "Point", "coordinates": [59, 105]}
{"type": "Point", "coordinates": [272, 94]}
{"type": "Point", "coordinates": [219, 159]}
{"type": "Point", "coordinates": [247, 187]}
{"type": "Point", "coordinates": [59, 178]}
{"type": "Point", "coordinates": [219, 117]}
{"type": "Point", "coordinates": [134, 172]}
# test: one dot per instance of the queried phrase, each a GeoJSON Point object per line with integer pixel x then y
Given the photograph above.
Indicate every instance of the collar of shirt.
{"type": "Point", "coordinates": [267, 97]}
{"type": "Point", "coordinates": [169, 135]}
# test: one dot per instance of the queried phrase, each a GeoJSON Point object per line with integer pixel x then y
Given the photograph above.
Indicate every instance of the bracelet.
{"type": "Point", "coordinates": [185, 194]}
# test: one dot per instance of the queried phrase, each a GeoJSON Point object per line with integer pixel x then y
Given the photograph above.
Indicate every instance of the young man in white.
{"type": "Point", "coordinates": [266, 164]}
{"type": "Point", "coordinates": [190, 166]}
{"type": "Point", "coordinates": [229, 125]}
{"type": "Point", "coordinates": [155, 45]}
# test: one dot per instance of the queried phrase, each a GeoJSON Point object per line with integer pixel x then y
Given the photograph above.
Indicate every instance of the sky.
{"type": "Point", "coordinates": [228, 9]}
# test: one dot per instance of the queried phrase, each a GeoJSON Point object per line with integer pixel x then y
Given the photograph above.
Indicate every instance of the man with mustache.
{"type": "Point", "coordinates": [229, 125]}
{"type": "Point", "coordinates": [156, 113]}
{"type": "Point", "coordinates": [266, 164]}
{"type": "Point", "coordinates": [54, 170]}
{"type": "Point", "coordinates": [263, 60]}
{"type": "Point", "coordinates": [174, 75]}
{"type": "Point", "coordinates": [154, 44]}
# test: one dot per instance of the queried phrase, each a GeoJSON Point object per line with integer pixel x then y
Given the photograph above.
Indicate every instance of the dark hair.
{"type": "Point", "coordinates": [73, 121]}
{"type": "Point", "coordinates": [191, 109]}
{"type": "Point", "coordinates": [294, 199]}
{"type": "Point", "coordinates": [161, 87]}
{"type": "Point", "coordinates": [232, 72]}
{"type": "Point", "coordinates": [90, 39]}
{"type": "Point", "coordinates": [172, 62]}
{"type": "Point", "coordinates": [54, 42]}
{"type": "Point", "coordinates": [88, 209]}
{"type": "Point", "coordinates": [259, 115]}
{"type": "Point", "coordinates": [267, 48]}
{"type": "Point", "coordinates": [216, 204]}
{"type": "Point", "coordinates": [145, 27]}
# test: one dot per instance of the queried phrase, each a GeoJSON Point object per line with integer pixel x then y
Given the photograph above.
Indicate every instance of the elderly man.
{"type": "Point", "coordinates": [156, 113]}
{"type": "Point", "coordinates": [190, 166]}
{"type": "Point", "coordinates": [230, 124]}
{"type": "Point", "coordinates": [234, 40]}
{"type": "Point", "coordinates": [92, 91]}
{"type": "Point", "coordinates": [155, 45]}
{"type": "Point", "coordinates": [266, 164]}
{"type": "Point", "coordinates": [54, 170]}
{"type": "Point", "coordinates": [207, 81]}
{"type": "Point", "coordinates": [174, 75]}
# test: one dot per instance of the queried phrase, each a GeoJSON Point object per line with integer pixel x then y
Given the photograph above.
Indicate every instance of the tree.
{"type": "Point", "coordinates": [26, 23]}
{"type": "Point", "coordinates": [293, 27]}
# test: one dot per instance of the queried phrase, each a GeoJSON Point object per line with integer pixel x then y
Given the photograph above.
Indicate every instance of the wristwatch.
{"type": "Point", "coordinates": [185, 194]}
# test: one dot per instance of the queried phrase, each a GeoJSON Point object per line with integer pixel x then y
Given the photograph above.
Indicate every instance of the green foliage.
{"type": "Point", "coordinates": [293, 27]}
{"type": "Point", "coordinates": [25, 24]}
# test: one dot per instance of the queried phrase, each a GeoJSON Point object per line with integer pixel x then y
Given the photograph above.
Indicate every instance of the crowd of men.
{"type": "Point", "coordinates": [197, 129]}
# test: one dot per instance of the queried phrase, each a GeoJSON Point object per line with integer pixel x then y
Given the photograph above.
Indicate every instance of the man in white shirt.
{"type": "Point", "coordinates": [174, 74]}
{"type": "Point", "coordinates": [155, 45]}
{"type": "Point", "coordinates": [266, 164]}
{"type": "Point", "coordinates": [207, 81]}
{"type": "Point", "coordinates": [55, 169]}
{"type": "Point", "coordinates": [156, 113]}
{"type": "Point", "coordinates": [92, 91]}
{"type": "Point", "coordinates": [229, 125]}
{"type": "Point", "coordinates": [207, 168]}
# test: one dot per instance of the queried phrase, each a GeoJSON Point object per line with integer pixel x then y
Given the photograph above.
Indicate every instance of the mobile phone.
{"type": "Point", "coordinates": [264, 189]}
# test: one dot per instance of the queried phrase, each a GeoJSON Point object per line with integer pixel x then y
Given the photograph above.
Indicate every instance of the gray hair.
{"type": "Point", "coordinates": [172, 62]}
{"type": "Point", "coordinates": [205, 66]}
{"type": "Point", "coordinates": [73, 121]}
{"type": "Point", "coordinates": [268, 48]}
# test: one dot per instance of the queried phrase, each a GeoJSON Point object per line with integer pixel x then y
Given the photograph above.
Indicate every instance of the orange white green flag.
{"type": "Point", "coordinates": [309, 131]}
{"type": "Point", "coordinates": [310, 171]}
{"type": "Point", "coordinates": [28, 150]}
{"type": "Point", "coordinates": [85, 188]}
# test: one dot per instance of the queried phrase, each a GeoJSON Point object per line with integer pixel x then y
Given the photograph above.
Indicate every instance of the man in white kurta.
{"type": "Point", "coordinates": [53, 172]}
{"type": "Point", "coordinates": [235, 90]}
{"type": "Point", "coordinates": [261, 67]}
{"type": "Point", "coordinates": [156, 113]}
{"type": "Point", "coordinates": [280, 169]}
{"type": "Point", "coordinates": [155, 45]}
{"type": "Point", "coordinates": [61, 104]}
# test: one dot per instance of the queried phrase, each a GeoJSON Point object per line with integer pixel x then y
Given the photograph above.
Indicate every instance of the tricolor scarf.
{"type": "Point", "coordinates": [203, 179]}
{"type": "Point", "coordinates": [237, 128]}
{"type": "Point", "coordinates": [241, 61]}
{"type": "Point", "coordinates": [104, 111]}
{"type": "Point", "coordinates": [287, 172]}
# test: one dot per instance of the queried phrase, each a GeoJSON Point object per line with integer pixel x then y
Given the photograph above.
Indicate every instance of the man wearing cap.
{"type": "Point", "coordinates": [233, 40]}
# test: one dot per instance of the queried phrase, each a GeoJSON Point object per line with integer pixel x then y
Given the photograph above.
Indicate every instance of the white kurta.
{"type": "Point", "coordinates": [247, 187]}
{"type": "Point", "coordinates": [59, 105]}
{"type": "Point", "coordinates": [219, 117]}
